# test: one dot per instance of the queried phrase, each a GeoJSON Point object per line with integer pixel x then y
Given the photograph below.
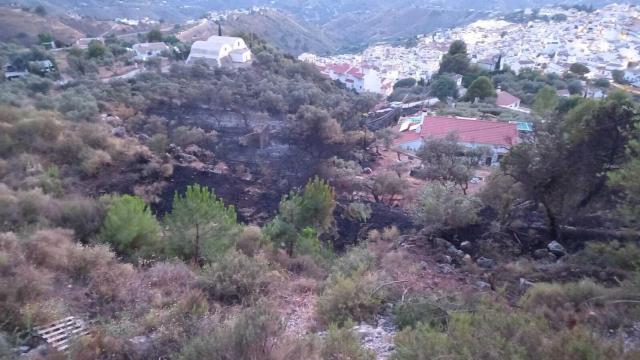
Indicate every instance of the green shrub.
{"type": "Point", "coordinates": [158, 144]}
{"type": "Point", "coordinates": [358, 298]}
{"type": "Point", "coordinates": [610, 255]}
{"type": "Point", "coordinates": [131, 227]}
{"type": "Point", "coordinates": [235, 278]}
{"type": "Point", "coordinates": [309, 244]}
{"type": "Point", "coordinates": [356, 259]}
{"type": "Point", "coordinates": [581, 343]}
{"type": "Point", "coordinates": [302, 214]}
{"type": "Point", "coordinates": [502, 333]}
{"type": "Point", "coordinates": [441, 206]}
{"type": "Point", "coordinates": [77, 104]}
{"type": "Point", "coordinates": [250, 240]}
{"type": "Point", "coordinates": [251, 336]}
{"type": "Point", "coordinates": [342, 343]}
{"type": "Point", "coordinates": [487, 334]}
{"type": "Point", "coordinates": [424, 310]}
{"type": "Point", "coordinates": [553, 295]}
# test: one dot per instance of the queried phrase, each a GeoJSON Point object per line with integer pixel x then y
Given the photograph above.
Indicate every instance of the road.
{"type": "Point", "coordinates": [627, 88]}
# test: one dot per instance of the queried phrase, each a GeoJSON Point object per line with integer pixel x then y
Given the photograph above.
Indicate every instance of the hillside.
{"type": "Point", "coordinates": [344, 25]}
{"type": "Point", "coordinates": [276, 27]}
{"type": "Point", "coordinates": [357, 29]}
{"type": "Point", "coordinates": [25, 26]}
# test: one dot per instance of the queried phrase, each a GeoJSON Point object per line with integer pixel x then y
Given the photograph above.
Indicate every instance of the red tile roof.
{"type": "Point", "coordinates": [506, 99]}
{"type": "Point", "coordinates": [468, 130]}
{"type": "Point", "coordinates": [339, 68]}
{"type": "Point", "coordinates": [355, 72]}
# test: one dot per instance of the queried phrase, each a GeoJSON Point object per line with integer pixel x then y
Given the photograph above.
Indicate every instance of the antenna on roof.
{"type": "Point", "coordinates": [219, 29]}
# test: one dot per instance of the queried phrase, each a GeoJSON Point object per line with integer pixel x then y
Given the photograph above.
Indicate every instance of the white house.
{"type": "Point", "coordinates": [218, 50]}
{"type": "Point", "coordinates": [372, 81]}
{"type": "Point", "coordinates": [145, 51]}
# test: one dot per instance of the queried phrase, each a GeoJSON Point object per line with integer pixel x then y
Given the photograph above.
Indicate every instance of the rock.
{"type": "Point", "coordinates": [486, 263]}
{"type": "Point", "coordinates": [367, 171]}
{"type": "Point", "coordinates": [187, 158]}
{"type": "Point", "coordinates": [466, 246]}
{"type": "Point", "coordinates": [111, 119]}
{"type": "Point", "coordinates": [24, 349]}
{"type": "Point", "coordinates": [445, 259]}
{"type": "Point", "coordinates": [423, 265]}
{"type": "Point", "coordinates": [455, 252]}
{"type": "Point", "coordinates": [444, 268]}
{"type": "Point", "coordinates": [541, 254]}
{"type": "Point", "coordinates": [173, 149]}
{"type": "Point", "coordinates": [525, 284]}
{"type": "Point", "coordinates": [556, 248]}
{"type": "Point", "coordinates": [143, 137]}
{"type": "Point", "coordinates": [140, 343]}
{"type": "Point", "coordinates": [467, 259]}
{"type": "Point", "coordinates": [378, 339]}
{"type": "Point", "coordinates": [40, 352]}
{"type": "Point", "coordinates": [119, 131]}
{"type": "Point", "coordinates": [483, 285]}
{"type": "Point", "coordinates": [441, 243]}
{"type": "Point", "coordinates": [365, 331]}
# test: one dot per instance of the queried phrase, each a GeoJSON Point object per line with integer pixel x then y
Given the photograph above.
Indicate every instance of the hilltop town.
{"type": "Point", "coordinates": [550, 39]}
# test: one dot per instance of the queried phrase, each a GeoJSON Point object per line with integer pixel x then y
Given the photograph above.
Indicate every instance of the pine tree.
{"type": "Point", "coordinates": [130, 226]}
{"type": "Point", "coordinates": [200, 227]}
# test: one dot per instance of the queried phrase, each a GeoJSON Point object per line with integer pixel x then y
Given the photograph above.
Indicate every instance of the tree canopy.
{"type": "Point", "coordinates": [546, 101]}
{"type": "Point", "coordinates": [565, 168]}
{"type": "Point", "coordinates": [579, 69]}
{"type": "Point", "coordinates": [200, 227]}
{"type": "Point", "coordinates": [456, 61]}
{"type": "Point", "coordinates": [130, 227]}
{"type": "Point", "coordinates": [447, 161]}
{"type": "Point", "coordinates": [443, 87]}
{"type": "Point", "coordinates": [481, 88]}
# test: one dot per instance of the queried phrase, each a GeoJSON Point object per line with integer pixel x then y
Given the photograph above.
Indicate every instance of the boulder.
{"type": "Point", "coordinates": [365, 331]}
{"type": "Point", "coordinates": [455, 252]}
{"type": "Point", "coordinates": [141, 344]}
{"type": "Point", "coordinates": [525, 284]}
{"type": "Point", "coordinates": [486, 263]}
{"type": "Point", "coordinates": [541, 254]}
{"type": "Point", "coordinates": [466, 246]}
{"type": "Point", "coordinates": [483, 285]}
{"type": "Point", "coordinates": [441, 243]}
{"type": "Point", "coordinates": [119, 131]}
{"type": "Point", "coordinates": [445, 259]}
{"type": "Point", "coordinates": [557, 249]}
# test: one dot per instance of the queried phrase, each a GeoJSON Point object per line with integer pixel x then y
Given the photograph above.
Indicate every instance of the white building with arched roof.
{"type": "Point", "coordinates": [219, 49]}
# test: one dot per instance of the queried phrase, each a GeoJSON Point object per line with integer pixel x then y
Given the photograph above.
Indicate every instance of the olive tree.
{"type": "Point", "coordinates": [442, 206]}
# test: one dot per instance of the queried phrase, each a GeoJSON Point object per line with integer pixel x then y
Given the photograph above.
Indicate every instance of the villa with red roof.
{"type": "Point", "coordinates": [349, 75]}
{"type": "Point", "coordinates": [507, 100]}
{"type": "Point", "coordinates": [359, 78]}
{"type": "Point", "coordinates": [497, 135]}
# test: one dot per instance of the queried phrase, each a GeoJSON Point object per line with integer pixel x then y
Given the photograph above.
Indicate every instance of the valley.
{"type": "Point", "coordinates": [180, 184]}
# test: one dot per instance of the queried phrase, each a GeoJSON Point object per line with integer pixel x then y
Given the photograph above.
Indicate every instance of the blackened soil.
{"type": "Point", "coordinates": [254, 203]}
